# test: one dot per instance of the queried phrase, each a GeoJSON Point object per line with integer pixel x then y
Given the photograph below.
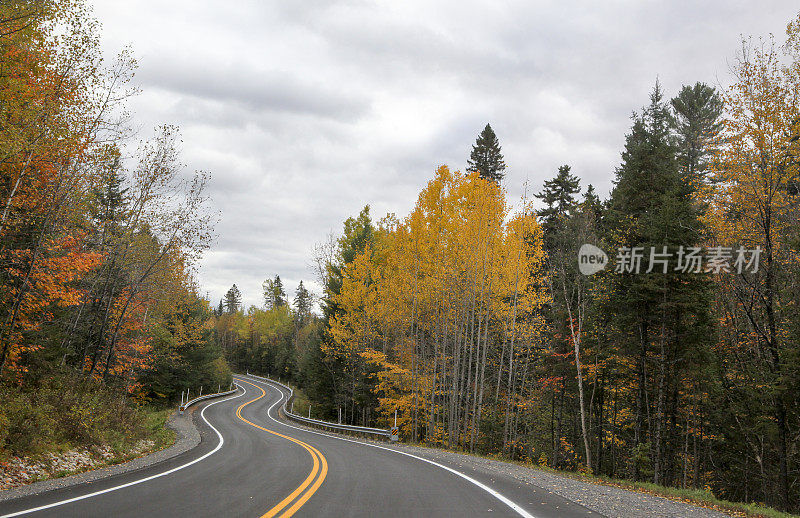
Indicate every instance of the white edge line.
{"type": "Point", "coordinates": [518, 509]}
{"type": "Point", "coordinates": [133, 483]}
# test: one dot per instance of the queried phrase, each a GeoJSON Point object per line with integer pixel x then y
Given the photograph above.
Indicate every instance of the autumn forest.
{"type": "Point", "coordinates": [468, 318]}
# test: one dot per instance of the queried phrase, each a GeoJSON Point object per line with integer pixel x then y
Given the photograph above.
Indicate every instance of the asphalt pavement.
{"type": "Point", "coordinates": [251, 463]}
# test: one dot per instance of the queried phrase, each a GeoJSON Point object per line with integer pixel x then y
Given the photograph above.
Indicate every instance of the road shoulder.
{"type": "Point", "coordinates": [608, 501]}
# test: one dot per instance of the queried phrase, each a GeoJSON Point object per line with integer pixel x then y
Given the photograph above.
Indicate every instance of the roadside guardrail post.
{"type": "Point", "coordinates": [394, 433]}
{"type": "Point", "coordinates": [189, 402]}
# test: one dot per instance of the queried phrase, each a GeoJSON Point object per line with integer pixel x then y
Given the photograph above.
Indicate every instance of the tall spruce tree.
{"type": "Point", "coordinates": [303, 301]}
{"type": "Point", "coordinates": [565, 230]}
{"type": "Point", "coordinates": [111, 199]}
{"type": "Point", "coordinates": [280, 294]}
{"type": "Point", "coordinates": [233, 299]}
{"type": "Point", "coordinates": [591, 205]}
{"type": "Point", "coordinates": [696, 120]}
{"type": "Point", "coordinates": [274, 295]}
{"type": "Point", "coordinates": [559, 197]}
{"type": "Point", "coordinates": [486, 157]}
{"type": "Point", "coordinates": [660, 318]}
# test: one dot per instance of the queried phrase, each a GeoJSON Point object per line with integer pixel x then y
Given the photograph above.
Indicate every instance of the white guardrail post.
{"type": "Point", "coordinates": [390, 434]}
{"type": "Point", "coordinates": [187, 404]}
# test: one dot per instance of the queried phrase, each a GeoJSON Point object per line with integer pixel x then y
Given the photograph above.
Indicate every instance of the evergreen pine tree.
{"type": "Point", "coordinates": [559, 198]}
{"type": "Point", "coordinates": [274, 296]}
{"type": "Point", "coordinates": [696, 120]}
{"type": "Point", "coordinates": [279, 296]}
{"type": "Point", "coordinates": [486, 157]}
{"type": "Point", "coordinates": [591, 205]}
{"type": "Point", "coordinates": [233, 300]}
{"type": "Point", "coordinates": [303, 300]}
{"type": "Point", "coordinates": [660, 319]}
{"type": "Point", "coordinates": [111, 197]}
{"type": "Point", "coordinates": [566, 228]}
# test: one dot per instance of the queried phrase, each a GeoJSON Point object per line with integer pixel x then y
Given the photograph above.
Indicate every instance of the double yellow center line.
{"type": "Point", "coordinates": [318, 473]}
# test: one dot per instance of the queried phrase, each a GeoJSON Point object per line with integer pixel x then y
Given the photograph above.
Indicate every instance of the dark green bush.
{"type": "Point", "coordinates": [65, 410]}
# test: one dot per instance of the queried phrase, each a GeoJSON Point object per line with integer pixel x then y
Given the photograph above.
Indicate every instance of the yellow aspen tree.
{"type": "Point", "coordinates": [444, 300]}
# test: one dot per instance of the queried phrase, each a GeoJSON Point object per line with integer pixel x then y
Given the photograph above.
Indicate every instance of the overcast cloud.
{"type": "Point", "coordinates": [306, 111]}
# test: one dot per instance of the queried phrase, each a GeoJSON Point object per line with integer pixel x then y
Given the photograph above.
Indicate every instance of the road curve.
{"type": "Point", "coordinates": [252, 464]}
{"type": "Point", "coordinates": [370, 480]}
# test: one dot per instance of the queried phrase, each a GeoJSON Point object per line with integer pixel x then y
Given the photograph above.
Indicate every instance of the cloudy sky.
{"type": "Point", "coordinates": [306, 111]}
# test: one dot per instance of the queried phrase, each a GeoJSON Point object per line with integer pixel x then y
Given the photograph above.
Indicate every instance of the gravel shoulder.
{"type": "Point", "coordinates": [609, 501]}
{"type": "Point", "coordinates": [187, 437]}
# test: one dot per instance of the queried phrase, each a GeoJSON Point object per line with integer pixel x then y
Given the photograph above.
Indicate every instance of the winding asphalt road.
{"type": "Point", "coordinates": [250, 463]}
